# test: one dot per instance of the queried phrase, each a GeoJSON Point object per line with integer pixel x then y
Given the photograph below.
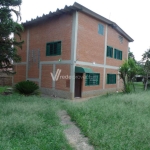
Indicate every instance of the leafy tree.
{"type": "Point", "coordinates": [9, 44]}
{"type": "Point", "coordinates": [127, 71]}
{"type": "Point", "coordinates": [131, 55]}
{"type": "Point", "coordinates": [146, 67]}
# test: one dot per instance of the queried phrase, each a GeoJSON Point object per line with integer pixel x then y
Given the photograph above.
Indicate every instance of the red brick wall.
{"type": "Point", "coordinates": [46, 79]}
{"type": "Point", "coordinates": [90, 44]}
{"type": "Point", "coordinates": [61, 84]}
{"type": "Point", "coordinates": [57, 29]}
{"type": "Point", "coordinates": [93, 87]}
{"type": "Point", "coordinates": [20, 73]}
{"type": "Point", "coordinates": [113, 41]}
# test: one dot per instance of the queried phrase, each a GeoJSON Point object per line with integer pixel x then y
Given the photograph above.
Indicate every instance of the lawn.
{"type": "Point", "coordinates": [30, 123]}
{"type": "Point", "coordinates": [114, 122]}
{"type": "Point", "coordinates": [111, 122]}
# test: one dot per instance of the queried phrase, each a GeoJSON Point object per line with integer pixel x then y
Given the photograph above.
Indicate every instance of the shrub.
{"type": "Point", "coordinates": [27, 88]}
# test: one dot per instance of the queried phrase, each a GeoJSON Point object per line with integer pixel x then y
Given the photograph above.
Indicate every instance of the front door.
{"type": "Point", "coordinates": [78, 83]}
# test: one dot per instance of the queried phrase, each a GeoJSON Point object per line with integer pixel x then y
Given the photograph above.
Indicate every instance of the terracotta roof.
{"type": "Point", "coordinates": [77, 7]}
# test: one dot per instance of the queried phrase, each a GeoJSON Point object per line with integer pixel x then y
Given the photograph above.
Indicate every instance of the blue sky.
{"type": "Point", "coordinates": [131, 15]}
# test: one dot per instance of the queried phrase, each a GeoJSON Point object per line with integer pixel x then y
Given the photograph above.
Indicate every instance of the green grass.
{"type": "Point", "coordinates": [114, 122]}
{"type": "Point", "coordinates": [30, 123]}
{"type": "Point", "coordinates": [111, 122]}
{"type": "Point", "coordinates": [2, 89]}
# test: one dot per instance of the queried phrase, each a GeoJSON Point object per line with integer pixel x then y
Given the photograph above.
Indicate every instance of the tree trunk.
{"type": "Point", "coordinates": [146, 82]}
{"type": "Point", "coordinates": [133, 86]}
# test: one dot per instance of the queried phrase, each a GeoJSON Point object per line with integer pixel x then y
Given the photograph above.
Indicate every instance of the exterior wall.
{"type": "Point", "coordinates": [59, 88]}
{"type": "Point", "coordinates": [91, 87]}
{"type": "Point", "coordinates": [113, 41]}
{"type": "Point", "coordinates": [90, 44]}
{"type": "Point", "coordinates": [93, 90]}
{"type": "Point", "coordinates": [20, 73]}
{"type": "Point", "coordinates": [63, 82]}
{"type": "Point", "coordinates": [35, 38]}
{"type": "Point", "coordinates": [58, 29]}
{"type": "Point", "coordinates": [46, 80]}
{"type": "Point", "coordinates": [90, 47]}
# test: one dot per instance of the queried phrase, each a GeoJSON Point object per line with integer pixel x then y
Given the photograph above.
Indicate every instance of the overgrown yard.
{"type": "Point", "coordinates": [114, 122]}
{"type": "Point", "coordinates": [30, 123]}
{"type": "Point", "coordinates": [111, 122]}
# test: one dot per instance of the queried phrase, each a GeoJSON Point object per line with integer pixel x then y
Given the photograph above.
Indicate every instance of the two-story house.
{"type": "Point", "coordinates": [82, 49]}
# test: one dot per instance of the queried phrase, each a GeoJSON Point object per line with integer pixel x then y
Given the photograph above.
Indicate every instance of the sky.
{"type": "Point", "coordinates": [131, 15]}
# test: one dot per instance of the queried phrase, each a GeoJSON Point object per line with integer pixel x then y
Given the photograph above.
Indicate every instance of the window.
{"type": "Point", "coordinates": [120, 38]}
{"type": "Point", "coordinates": [101, 29]}
{"type": "Point", "coordinates": [118, 54]}
{"type": "Point", "coordinates": [109, 51]}
{"type": "Point", "coordinates": [92, 79]}
{"type": "Point", "coordinates": [53, 48]}
{"type": "Point", "coordinates": [111, 78]}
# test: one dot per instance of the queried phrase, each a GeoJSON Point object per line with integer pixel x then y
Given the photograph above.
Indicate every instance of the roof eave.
{"type": "Point", "coordinates": [107, 21]}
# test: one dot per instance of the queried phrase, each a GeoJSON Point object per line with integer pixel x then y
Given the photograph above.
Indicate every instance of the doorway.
{"type": "Point", "coordinates": [78, 84]}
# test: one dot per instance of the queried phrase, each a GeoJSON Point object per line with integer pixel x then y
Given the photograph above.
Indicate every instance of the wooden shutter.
{"type": "Point", "coordinates": [115, 54]}
{"type": "Point", "coordinates": [51, 49]}
{"type": "Point", "coordinates": [101, 29]}
{"type": "Point", "coordinates": [59, 48]}
{"type": "Point", "coordinates": [47, 49]}
{"type": "Point", "coordinates": [120, 55]}
{"type": "Point", "coordinates": [107, 78]}
{"type": "Point", "coordinates": [86, 79]}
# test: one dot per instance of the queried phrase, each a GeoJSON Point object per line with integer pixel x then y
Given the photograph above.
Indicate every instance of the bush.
{"type": "Point", "coordinates": [27, 88]}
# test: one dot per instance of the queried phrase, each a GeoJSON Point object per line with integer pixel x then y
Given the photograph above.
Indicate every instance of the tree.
{"type": "Point", "coordinates": [146, 67]}
{"type": "Point", "coordinates": [131, 55]}
{"type": "Point", "coordinates": [127, 71]}
{"type": "Point", "coordinates": [9, 44]}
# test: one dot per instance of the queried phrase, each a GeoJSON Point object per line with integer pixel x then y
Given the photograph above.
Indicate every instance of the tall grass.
{"type": "Point", "coordinates": [30, 123]}
{"type": "Point", "coordinates": [114, 122]}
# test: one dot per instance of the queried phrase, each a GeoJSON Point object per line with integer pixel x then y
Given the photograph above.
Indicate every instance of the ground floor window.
{"type": "Point", "coordinates": [111, 78]}
{"type": "Point", "coordinates": [92, 79]}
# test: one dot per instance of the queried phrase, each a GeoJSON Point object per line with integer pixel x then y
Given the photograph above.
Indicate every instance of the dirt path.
{"type": "Point", "coordinates": [73, 134]}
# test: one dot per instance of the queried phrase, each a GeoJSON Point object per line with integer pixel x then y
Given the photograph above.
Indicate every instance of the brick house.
{"type": "Point", "coordinates": [86, 47]}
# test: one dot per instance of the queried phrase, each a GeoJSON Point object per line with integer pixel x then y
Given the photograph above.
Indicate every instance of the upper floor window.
{"type": "Point", "coordinates": [101, 29]}
{"type": "Point", "coordinates": [120, 38]}
{"type": "Point", "coordinates": [118, 54]}
{"type": "Point", "coordinates": [92, 79]}
{"type": "Point", "coordinates": [109, 51]}
{"type": "Point", "coordinates": [53, 48]}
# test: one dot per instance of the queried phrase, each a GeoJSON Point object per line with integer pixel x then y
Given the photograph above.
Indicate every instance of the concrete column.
{"type": "Point", "coordinates": [73, 51]}
{"type": "Point", "coordinates": [105, 51]}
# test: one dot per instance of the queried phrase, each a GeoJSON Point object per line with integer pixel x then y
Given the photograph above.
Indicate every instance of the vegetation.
{"type": "Point", "coordinates": [114, 122]}
{"type": "Point", "coordinates": [131, 55]}
{"type": "Point", "coordinates": [146, 67]}
{"type": "Point", "coordinates": [127, 71]}
{"type": "Point", "coordinates": [27, 88]}
{"type": "Point", "coordinates": [29, 123]}
{"type": "Point", "coordinates": [9, 44]}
